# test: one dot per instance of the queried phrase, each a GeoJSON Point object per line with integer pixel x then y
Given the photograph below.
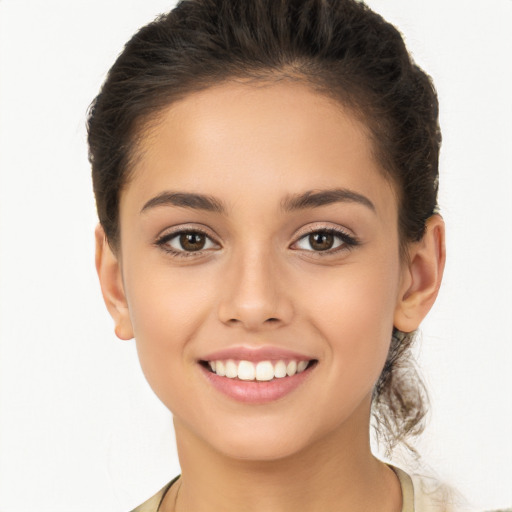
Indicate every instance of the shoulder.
{"type": "Point", "coordinates": [422, 493]}
{"type": "Point", "coordinates": [153, 503]}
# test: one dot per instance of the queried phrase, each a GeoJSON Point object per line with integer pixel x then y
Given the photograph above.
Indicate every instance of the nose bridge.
{"type": "Point", "coordinates": [254, 292]}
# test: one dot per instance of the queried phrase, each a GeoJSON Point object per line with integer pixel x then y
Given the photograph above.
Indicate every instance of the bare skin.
{"type": "Point", "coordinates": [259, 279]}
{"type": "Point", "coordinates": [348, 480]}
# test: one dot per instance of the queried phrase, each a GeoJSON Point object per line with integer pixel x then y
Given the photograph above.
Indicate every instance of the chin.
{"type": "Point", "coordinates": [259, 440]}
{"type": "Point", "coordinates": [258, 449]}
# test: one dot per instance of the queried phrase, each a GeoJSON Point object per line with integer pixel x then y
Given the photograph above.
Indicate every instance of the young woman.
{"type": "Point", "coordinates": [266, 177]}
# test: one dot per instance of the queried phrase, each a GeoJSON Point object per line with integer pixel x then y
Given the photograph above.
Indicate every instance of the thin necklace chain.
{"type": "Point", "coordinates": [176, 497]}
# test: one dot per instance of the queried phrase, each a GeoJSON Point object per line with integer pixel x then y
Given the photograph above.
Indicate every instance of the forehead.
{"type": "Point", "coordinates": [244, 140]}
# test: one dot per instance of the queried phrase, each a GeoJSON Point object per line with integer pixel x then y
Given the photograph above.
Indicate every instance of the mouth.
{"type": "Point", "coordinates": [258, 371]}
{"type": "Point", "coordinates": [257, 375]}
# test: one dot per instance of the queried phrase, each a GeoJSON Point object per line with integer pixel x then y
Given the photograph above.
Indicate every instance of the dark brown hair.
{"type": "Point", "coordinates": [338, 47]}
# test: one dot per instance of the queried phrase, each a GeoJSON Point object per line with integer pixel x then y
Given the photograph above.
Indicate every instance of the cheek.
{"type": "Point", "coordinates": [167, 307]}
{"type": "Point", "coordinates": [355, 317]}
{"type": "Point", "coordinates": [164, 301]}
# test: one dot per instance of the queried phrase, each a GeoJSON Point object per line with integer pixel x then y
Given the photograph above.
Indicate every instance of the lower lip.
{"type": "Point", "coordinates": [256, 392]}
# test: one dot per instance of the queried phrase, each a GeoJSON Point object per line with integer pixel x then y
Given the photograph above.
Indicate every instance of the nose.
{"type": "Point", "coordinates": [254, 293]}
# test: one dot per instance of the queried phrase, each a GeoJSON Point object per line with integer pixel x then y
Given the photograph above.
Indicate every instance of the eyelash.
{"type": "Point", "coordinates": [162, 242]}
{"type": "Point", "coordinates": [348, 242]}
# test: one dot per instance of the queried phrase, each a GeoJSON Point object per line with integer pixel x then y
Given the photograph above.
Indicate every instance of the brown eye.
{"type": "Point", "coordinates": [321, 241]}
{"type": "Point", "coordinates": [187, 242]}
{"type": "Point", "coordinates": [192, 241]}
{"type": "Point", "coordinates": [327, 240]}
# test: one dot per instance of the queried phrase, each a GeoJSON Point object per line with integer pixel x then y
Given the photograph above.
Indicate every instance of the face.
{"type": "Point", "coordinates": [259, 237]}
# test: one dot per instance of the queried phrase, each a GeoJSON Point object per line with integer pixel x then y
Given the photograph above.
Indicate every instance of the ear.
{"type": "Point", "coordinates": [422, 276]}
{"type": "Point", "coordinates": [112, 288]}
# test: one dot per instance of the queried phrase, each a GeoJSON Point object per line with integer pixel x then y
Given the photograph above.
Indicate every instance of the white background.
{"type": "Point", "coordinates": [79, 428]}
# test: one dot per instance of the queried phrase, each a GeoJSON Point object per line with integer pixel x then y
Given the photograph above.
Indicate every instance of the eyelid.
{"type": "Point", "coordinates": [168, 234]}
{"type": "Point", "coordinates": [186, 228]}
{"type": "Point", "coordinates": [348, 240]}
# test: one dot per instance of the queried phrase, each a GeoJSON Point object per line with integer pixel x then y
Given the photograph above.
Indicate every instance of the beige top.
{"type": "Point", "coordinates": [419, 494]}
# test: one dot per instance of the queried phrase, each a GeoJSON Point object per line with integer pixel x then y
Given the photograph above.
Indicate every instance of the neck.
{"type": "Point", "coordinates": [336, 473]}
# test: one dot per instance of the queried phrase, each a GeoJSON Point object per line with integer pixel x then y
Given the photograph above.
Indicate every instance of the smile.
{"type": "Point", "coordinates": [256, 375]}
{"type": "Point", "coordinates": [262, 371]}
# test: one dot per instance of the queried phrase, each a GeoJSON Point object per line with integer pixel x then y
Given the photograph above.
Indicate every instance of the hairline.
{"type": "Point", "coordinates": [145, 124]}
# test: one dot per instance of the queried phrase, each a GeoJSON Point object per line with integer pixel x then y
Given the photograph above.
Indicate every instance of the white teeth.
{"type": "Point", "coordinates": [246, 370]}
{"type": "Point", "coordinates": [301, 366]}
{"type": "Point", "coordinates": [280, 370]}
{"type": "Point", "coordinates": [219, 369]}
{"type": "Point", "coordinates": [231, 369]}
{"type": "Point", "coordinates": [261, 371]}
{"type": "Point", "coordinates": [291, 368]}
{"type": "Point", "coordinates": [264, 370]}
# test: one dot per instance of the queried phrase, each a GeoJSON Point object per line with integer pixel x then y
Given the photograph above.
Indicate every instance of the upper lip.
{"type": "Point", "coordinates": [255, 354]}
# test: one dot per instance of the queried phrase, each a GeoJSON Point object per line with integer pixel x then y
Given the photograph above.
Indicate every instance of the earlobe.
{"type": "Point", "coordinates": [111, 282]}
{"type": "Point", "coordinates": [422, 277]}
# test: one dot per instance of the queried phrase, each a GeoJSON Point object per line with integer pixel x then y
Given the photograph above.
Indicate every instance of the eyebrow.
{"type": "Point", "coordinates": [316, 198]}
{"type": "Point", "coordinates": [308, 199]}
{"type": "Point", "coordinates": [185, 200]}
